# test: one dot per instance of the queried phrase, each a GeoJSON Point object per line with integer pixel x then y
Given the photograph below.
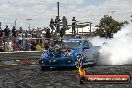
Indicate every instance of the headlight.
{"type": "Point", "coordinates": [70, 54]}
{"type": "Point", "coordinates": [67, 54]}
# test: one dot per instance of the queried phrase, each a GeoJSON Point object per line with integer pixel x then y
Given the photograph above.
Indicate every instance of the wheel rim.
{"type": "Point", "coordinates": [78, 61]}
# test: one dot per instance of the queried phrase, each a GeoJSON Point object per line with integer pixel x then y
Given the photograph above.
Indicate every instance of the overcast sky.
{"type": "Point", "coordinates": [40, 11]}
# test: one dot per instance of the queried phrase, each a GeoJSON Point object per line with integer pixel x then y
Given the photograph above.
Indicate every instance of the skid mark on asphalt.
{"type": "Point", "coordinates": [30, 76]}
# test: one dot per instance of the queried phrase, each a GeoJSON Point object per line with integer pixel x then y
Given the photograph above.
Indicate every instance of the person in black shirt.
{"type": "Point", "coordinates": [62, 32]}
{"type": "Point", "coordinates": [73, 26]}
{"type": "Point", "coordinates": [1, 32]}
{"type": "Point", "coordinates": [33, 46]}
{"type": "Point", "coordinates": [52, 25]}
{"type": "Point", "coordinates": [1, 46]}
{"type": "Point", "coordinates": [48, 34]}
{"type": "Point", "coordinates": [14, 31]}
{"type": "Point", "coordinates": [57, 20]}
{"type": "Point", "coordinates": [64, 22]}
{"type": "Point", "coordinates": [7, 31]}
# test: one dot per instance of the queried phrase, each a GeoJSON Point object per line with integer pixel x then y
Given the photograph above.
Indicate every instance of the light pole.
{"type": "Point", "coordinates": [15, 22]}
{"type": "Point", "coordinates": [58, 9]}
{"type": "Point", "coordinates": [0, 24]}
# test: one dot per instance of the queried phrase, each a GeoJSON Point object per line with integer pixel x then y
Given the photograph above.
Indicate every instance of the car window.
{"type": "Point", "coordinates": [74, 44]}
{"type": "Point", "coordinates": [87, 44]}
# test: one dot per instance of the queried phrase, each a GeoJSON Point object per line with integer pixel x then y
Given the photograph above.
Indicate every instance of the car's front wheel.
{"type": "Point", "coordinates": [43, 68]}
{"type": "Point", "coordinates": [78, 61]}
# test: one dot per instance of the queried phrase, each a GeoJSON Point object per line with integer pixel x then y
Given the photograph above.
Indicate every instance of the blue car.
{"type": "Point", "coordinates": [68, 53]}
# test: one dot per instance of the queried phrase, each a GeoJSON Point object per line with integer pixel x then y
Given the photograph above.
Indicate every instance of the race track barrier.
{"type": "Point", "coordinates": [19, 55]}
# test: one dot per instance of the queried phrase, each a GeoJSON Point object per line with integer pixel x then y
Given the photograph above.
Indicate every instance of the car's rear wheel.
{"type": "Point", "coordinates": [78, 61]}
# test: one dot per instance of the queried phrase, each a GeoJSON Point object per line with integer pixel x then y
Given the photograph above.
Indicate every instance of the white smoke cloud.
{"type": "Point", "coordinates": [97, 41]}
{"type": "Point", "coordinates": [118, 51]}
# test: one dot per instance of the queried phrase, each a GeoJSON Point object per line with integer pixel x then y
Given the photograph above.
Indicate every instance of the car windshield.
{"type": "Point", "coordinates": [72, 44]}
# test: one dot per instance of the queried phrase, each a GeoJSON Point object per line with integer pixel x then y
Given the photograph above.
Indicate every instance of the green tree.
{"type": "Point", "coordinates": [109, 24]}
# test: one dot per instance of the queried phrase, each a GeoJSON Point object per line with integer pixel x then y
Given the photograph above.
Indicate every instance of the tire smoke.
{"type": "Point", "coordinates": [118, 51]}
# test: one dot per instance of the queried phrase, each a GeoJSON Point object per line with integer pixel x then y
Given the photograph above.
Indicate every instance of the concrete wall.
{"type": "Point", "coordinates": [20, 55]}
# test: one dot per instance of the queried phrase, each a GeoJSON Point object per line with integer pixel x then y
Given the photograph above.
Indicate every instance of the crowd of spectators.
{"type": "Point", "coordinates": [35, 39]}
{"type": "Point", "coordinates": [19, 39]}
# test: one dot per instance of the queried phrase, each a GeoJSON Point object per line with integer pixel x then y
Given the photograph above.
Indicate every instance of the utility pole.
{"type": "Point", "coordinates": [15, 23]}
{"type": "Point", "coordinates": [0, 24]}
{"type": "Point", "coordinates": [58, 8]}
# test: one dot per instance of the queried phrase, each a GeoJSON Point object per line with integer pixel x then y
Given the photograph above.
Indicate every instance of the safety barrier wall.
{"type": "Point", "coordinates": [18, 55]}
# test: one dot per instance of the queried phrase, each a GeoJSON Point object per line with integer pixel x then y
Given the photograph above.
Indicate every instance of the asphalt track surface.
{"type": "Point", "coordinates": [30, 76]}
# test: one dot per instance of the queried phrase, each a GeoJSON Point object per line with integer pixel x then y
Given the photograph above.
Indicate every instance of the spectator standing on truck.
{"type": "Point", "coordinates": [57, 20]}
{"type": "Point", "coordinates": [62, 32]}
{"type": "Point", "coordinates": [73, 25]}
{"type": "Point", "coordinates": [52, 25]}
{"type": "Point", "coordinates": [64, 22]}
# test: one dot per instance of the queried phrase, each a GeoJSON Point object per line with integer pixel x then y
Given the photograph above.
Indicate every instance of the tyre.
{"type": "Point", "coordinates": [78, 61]}
{"type": "Point", "coordinates": [43, 68]}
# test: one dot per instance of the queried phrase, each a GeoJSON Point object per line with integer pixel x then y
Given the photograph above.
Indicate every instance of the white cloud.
{"type": "Point", "coordinates": [42, 10]}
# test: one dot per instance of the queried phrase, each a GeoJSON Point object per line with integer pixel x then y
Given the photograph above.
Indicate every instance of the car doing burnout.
{"type": "Point", "coordinates": [70, 53]}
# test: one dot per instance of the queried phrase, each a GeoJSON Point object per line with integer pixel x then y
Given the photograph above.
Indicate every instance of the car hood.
{"type": "Point", "coordinates": [75, 51]}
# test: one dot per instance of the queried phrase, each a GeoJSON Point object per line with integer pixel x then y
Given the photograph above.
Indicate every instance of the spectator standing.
{"type": "Point", "coordinates": [74, 26]}
{"type": "Point", "coordinates": [7, 31]}
{"type": "Point", "coordinates": [14, 32]}
{"type": "Point", "coordinates": [64, 22]}
{"type": "Point", "coordinates": [33, 45]}
{"type": "Point", "coordinates": [1, 32]}
{"type": "Point", "coordinates": [108, 34]}
{"type": "Point", "coordinates": [62, 32]}
{"type": "Point", "coordinates": [27, 45]}
{"type": "Point", "coordinates": [46, 45]}
{"type": "Point", "coordinates": [34, 34]}
{"type": "Point", "coordinates": [52, 25]}
{"type": "Point", "coordinates": [1, 46]}
{"type": "Point", "coordinates": [39, 46]}
{"type": "Point", "coordinates": [24, 34]}
{"type": "Point", "coordinates": [18, 39]}
{"type": "Point", "coordinates": [18, 47]}
{"type": "Point", "coordinates": [43, 37]}
{"type": "Point", "coordinates": [20, 30]}
{"type": "Point", "coordinates": [48, 34]}
{"type": "Point", "coordinates": [39, 33]}
{"type": "Point", "coordinates": [57, 20]}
